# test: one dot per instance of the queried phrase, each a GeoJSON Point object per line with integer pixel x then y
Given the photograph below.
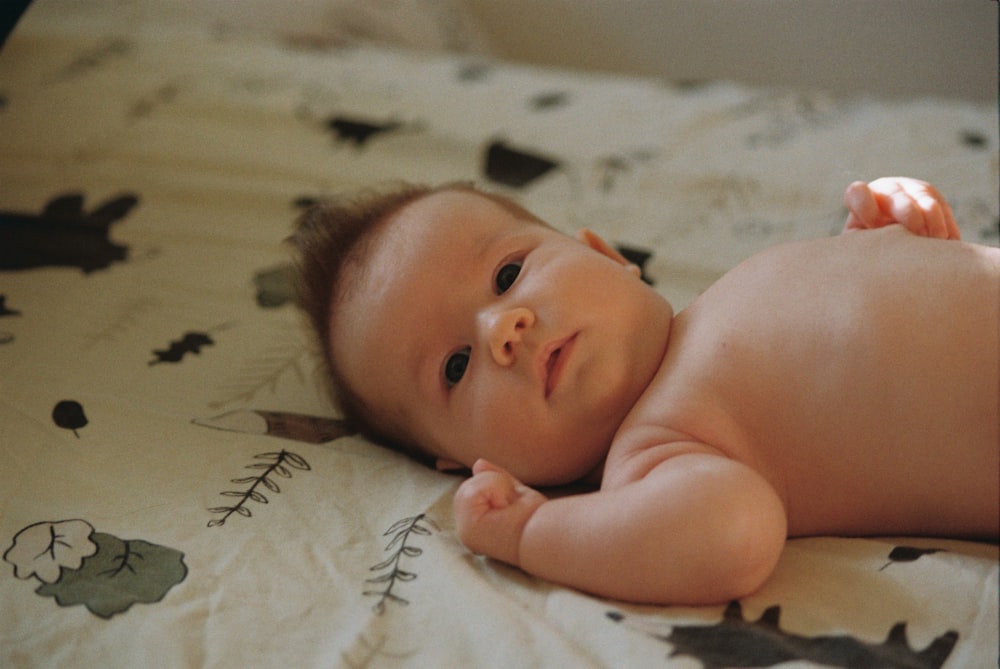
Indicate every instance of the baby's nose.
{"type": "Point", "coordinates": [504, 332]}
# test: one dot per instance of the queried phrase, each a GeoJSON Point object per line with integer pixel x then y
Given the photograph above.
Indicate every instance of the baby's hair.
{"type": "Point", "coordinates": [334, 234]}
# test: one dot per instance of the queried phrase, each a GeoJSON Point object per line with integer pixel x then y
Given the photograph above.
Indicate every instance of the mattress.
{"type": "Point", "coordinates": [176, 489]}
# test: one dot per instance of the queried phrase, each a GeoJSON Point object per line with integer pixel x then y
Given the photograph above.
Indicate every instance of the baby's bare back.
{"type": "Point", "coordinates": [858, 374]}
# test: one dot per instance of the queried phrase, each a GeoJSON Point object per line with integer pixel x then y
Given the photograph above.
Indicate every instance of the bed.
{"type": "Point", "coordinates": [176, 490]}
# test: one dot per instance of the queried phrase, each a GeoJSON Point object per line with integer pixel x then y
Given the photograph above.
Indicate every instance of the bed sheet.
{"type": "Point", "coordinates": [176, 491]}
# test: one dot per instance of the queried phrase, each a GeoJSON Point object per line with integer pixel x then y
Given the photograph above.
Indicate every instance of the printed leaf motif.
{"type": "Point", "coordinates": [549, 100]}
{"type": "Point", "coordinates": [401, 531]}
{"type": "Point", "coordinates": [5, 310]}
{"type": "Point", "coordinates": [95, 57]}
{"type": "Point", "coordinates": [908, 554]}
{"type": "Point", "coordinates": [191, 342]}
{"type": "Point", "coordinates": [68, 414]}
{"type": "Point", "coordinates": [263, 373]}
{"type": "Point", "coordinates": [364, 651]}
{"type": "Point", "coordinates": [128, 316]}
{"type": "Point", "coordinates": [358, 131]}
{"type": "Point", "coordinates": [514, 167]}
{"type": "Point", "coordinates": [43, 549]}
{"type": "Point", "coordinates": [735, 642]}
{"type": "Point", "coordinates": [78, 565]}
{"type": "Point", "coordinates": [120, 574]}
{"type": "Point", "coordinates": [277, 466]}
{"type": "Point", "coordinates": [474, 72]}
{"type": "Point", "coordinates": [274, 286]}
{"type": "Point", "coordinates": [63, 235]}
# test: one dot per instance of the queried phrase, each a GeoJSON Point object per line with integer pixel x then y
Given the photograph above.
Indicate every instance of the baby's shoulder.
{"type": "Point", "coordinates": [638, 450]}
{"type": "Point", "coordinates": [857, 264]}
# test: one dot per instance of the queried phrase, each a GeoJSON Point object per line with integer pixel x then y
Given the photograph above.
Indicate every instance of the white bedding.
{"type": "Point", "coordinates": [160, 505]}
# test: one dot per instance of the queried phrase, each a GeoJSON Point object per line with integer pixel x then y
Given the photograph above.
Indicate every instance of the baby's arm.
{"type": "Point", "coordinates": [698, 528]}
{"type": "Point", "coordinates": [914, 204]}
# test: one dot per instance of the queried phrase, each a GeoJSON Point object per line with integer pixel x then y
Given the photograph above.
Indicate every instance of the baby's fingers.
{"type": "Point", "coordinates": [938, 219]}
{"type": "Point", "coordinates": [491, 510]}
{"type": "Point", "coordinates": [914, 204]}
{"type": "Point", "coordinates": [926, 217]}
{"type": "Point", "coordinates": [863, 210]}
{"type": "Point", "coordinates": [488, 489]}
{"type": "Point", "coordinates": [914, 209]}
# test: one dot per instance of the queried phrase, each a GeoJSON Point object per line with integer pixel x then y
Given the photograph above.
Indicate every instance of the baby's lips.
{"type": "Point", "coordinates": [551, 361]}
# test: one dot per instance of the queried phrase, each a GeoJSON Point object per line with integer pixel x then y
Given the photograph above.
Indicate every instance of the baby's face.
{"type": "Point", "coordinates": [494, 337]}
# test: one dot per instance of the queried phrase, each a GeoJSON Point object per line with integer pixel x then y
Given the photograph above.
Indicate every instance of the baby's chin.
{"type": "Point", "coordinates": [553, 475]}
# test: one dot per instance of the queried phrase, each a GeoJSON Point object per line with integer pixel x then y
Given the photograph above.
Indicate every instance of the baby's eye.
{"type": "Point", "coordinates": [454, 367]}
{"type": "Point", "coordinates": [506, 276]}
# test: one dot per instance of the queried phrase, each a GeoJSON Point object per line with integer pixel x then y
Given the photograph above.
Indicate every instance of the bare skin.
{"type": "Point", "coordinates": [841, 386]}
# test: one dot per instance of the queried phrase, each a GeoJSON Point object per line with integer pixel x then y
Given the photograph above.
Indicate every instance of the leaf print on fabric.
{"type": "Point", "coordinates": [78, 565]}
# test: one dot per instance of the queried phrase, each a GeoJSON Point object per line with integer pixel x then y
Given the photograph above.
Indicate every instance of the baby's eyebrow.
{"type": "Point", "coordinates": [488, 244]}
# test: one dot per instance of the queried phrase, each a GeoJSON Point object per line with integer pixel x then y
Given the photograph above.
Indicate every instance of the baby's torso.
{"type": "Point", "coordinates": [859, 375]}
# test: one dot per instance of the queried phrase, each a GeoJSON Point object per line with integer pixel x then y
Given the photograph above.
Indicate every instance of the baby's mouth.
{"type": "Point", "coordinates": [555, 364]}
{"type": "Point", "coordinates": [553, 358]}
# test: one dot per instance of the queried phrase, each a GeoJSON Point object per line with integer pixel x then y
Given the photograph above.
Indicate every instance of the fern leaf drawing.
{"type": "Point", "coordinates": [127, 317]}
{"type": "Point", "coordinates": [263, 373]}
{"type": "Point", "coordinates": [278, 463]}
{"type": "Point", "coordinates": [401, 531]}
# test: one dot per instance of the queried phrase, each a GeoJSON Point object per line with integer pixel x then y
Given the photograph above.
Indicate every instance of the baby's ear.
{"type": "Point", "coordinates": [596, 242]}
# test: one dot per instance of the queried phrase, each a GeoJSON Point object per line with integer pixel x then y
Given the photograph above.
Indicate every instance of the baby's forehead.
{"type": "Point", "coordinates": [440, 222]}
{"type": "Point", "coordinates": [466, 212]}
{"type": "Point", "coordinates": [450, 218]}
{"type": "Point", "coordinates": [448, 227]}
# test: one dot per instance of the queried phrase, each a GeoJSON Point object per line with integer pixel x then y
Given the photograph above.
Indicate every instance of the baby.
{"type": "Point", "coordinates": [842, 386]}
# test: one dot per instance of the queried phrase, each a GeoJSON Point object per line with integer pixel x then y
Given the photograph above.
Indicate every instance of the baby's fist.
{"type": "Point", "coordinates": [914, 204]}
{"type": "Point", "coordinates": [491, 510]}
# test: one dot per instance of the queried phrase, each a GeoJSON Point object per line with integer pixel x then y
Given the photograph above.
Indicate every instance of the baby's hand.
{"type": "Point", "coordinates": [914, 204]}
{"type": "Point", "coordinates": [491, 510]}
